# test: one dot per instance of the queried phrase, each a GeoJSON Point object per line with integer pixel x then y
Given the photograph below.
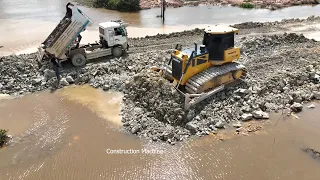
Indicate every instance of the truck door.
{"type": "Point", "coordinates": [118, 39]}
{"type": "Point", "coordinates": [111, 37]}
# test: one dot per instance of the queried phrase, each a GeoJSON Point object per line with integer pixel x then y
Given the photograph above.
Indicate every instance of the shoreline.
{"type": "Point", "coordinates": [196, 31]}
{"type": "Point", "coordinates": [265, 4]}
{"type": "Point", "coordinates": [269, 4]}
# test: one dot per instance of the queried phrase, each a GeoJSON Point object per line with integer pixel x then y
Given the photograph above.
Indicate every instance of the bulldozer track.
{"type": "Point", "coordinates": [197, 81]}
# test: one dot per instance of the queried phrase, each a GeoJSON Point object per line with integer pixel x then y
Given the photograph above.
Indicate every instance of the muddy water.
{"type": "Point", "coordinates": [68, 135]}
{"type": "Point", "coordinates": [26, 23]}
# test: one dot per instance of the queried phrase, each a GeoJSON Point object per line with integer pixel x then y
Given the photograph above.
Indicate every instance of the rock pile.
{"type": "Point", "coordinates": [153, 108]}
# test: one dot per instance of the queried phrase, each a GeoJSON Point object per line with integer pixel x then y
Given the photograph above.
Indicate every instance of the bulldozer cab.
{"type": "Point", "coordinates": [217, 39]}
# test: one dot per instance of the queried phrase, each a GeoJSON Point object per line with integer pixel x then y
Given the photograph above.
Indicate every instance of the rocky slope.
{"type": "Point", "coordinates": [283, 73]}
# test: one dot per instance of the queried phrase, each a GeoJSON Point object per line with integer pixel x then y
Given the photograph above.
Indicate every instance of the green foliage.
{"type": "Point", "coordinates": [3, 137]}
{"type": "Point", "coordinates": [247, 5]}
{"type": "Point", "coordinates": [119, 5]}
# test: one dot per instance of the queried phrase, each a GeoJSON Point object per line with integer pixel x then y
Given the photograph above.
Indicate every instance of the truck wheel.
{"type": "Point", "coordinates": [78, 60]}
{"type": "Point", "coordinates": [117, 51]}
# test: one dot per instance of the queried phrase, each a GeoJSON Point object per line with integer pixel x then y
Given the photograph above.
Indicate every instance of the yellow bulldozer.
{"type": "Point", "coordinates": [201, 72]}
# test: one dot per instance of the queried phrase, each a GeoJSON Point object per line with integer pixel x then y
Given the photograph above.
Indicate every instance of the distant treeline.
{"type": "Point", "coordinates": [119, 5]}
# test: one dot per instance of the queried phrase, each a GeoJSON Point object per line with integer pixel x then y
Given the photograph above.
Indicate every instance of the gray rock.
{"type": "Point", "coordinates": [64, 82]}
{"type": "Point", "coordinates": [36, 81]}
{"type": "Point", "coordinates": [260, 115]}
{"type": "Point", "coordinates": [135, 129]}
{"type": "Point", "coordinates": [296, 107]}
{"type": "Point", "coordinates": [1, 86]}
{"type": "Point", "coordinates": [106, 87]}
{"type": "Point", "coordinates": [213, 128]}
{"type": "Point", "coordinates": [315, 77]}
{"type": "Point", "coordinates": [70, 79]}
{"type": "Point", "coordinates": [243, 91]}
{"type": "Point", "coordinates": [246, 108]}
{"type": "Point", "coordinates": [311, 106]}
{"type": "Point", "coordinates": [246, 117]}
{"type": "Point", "coordinates": [316, 95]}
{"type": "Point", "coordinates": [192, 127]}
{"type": "Point", "coordinates": [49, 73]}
{"type": "Point", "coordinates": [219, 124]}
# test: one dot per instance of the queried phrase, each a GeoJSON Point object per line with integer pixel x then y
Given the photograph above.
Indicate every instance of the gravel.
{"type": "Point", "coordinates": [283, 71]}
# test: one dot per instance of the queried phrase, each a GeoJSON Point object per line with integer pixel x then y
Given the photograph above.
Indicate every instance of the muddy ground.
{"type": "Point", "coordinates": [266, 4]}
{"type": "Point", "coordinates": [283, 73]}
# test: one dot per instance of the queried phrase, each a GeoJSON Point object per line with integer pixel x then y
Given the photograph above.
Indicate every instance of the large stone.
{"type": "Point", "coordinates": [316, 95]}
{"type": "Point", "coordinates": [36, 81]}
{"type": "Point", "coordinates": [219, 124]}
{"type": "Point", "coordinates": [296, 107]}
{"type": "Point", "coordinates": [106, 87]}
{"type": "Point", "coordinates": [192, 127]}
{"type": "Point", "coordinates": [135, 129]}
{"type": "Point", "coordinates": [64, 82]}
{"type": "Point", "coordinates": [70, 79]}
{"type": "Point", "coordinates": [260, 115]}
{"type": "Point", "coordinates": [49, 73]}
{"type": "Point", "coordinates": [1, 86]}
{"type": "Point", "coordinates": [246, 117]}
{"type": "Point", "coordinates": [243, 91]}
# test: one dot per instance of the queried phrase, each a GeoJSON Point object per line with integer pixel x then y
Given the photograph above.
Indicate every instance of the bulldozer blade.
{"type": "Point", "coordinates": [193, 99]}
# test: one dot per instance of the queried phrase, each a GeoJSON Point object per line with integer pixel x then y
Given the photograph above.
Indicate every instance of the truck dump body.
{"type": "Point", "coordinates": [57, 32]}
{"type": "Point", "coordinates": [65, 33]}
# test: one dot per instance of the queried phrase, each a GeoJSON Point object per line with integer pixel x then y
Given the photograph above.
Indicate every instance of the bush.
{"type": "Point", "coordinates": [247, 5]}
{"type": "Point", "coordinates": [3, 137]}
{"type": "Point", "coordinates": [119, 5]}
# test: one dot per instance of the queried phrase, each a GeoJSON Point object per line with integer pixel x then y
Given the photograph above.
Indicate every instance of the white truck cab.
{"type": "Point", "coordinates": [113, 33]}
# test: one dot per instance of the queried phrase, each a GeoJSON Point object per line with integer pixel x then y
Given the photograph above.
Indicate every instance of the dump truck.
{"type": "Point", "coordinates": [62, 44]}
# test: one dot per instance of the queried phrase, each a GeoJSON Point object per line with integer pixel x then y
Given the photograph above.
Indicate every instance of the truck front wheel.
{"type": "Point", "coordinates": [117, 51]}
{"type": "Point", "coordinates": [78, 60]}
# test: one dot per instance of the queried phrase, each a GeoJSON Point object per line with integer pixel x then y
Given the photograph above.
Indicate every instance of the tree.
{"type": "Point", "coordinates": [120, 5]}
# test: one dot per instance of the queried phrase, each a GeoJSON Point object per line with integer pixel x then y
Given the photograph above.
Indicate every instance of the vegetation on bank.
{"type": "Point", "coordinates": [3, 137]}
{"type": "Point", "coordinates": [119, 5]}
{"type": "Point", "coordinates": [247, 5]}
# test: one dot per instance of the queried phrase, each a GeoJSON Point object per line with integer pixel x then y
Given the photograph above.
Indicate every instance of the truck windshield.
{"type": "Point", "coordinates": [123, 31]}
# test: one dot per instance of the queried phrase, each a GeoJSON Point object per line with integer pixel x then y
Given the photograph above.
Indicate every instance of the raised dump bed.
{"type": "Point", "coordinates": [64, 34]}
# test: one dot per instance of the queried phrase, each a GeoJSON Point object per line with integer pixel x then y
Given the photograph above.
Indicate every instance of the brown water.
{"type": "Point", "coordinates": [70, 134]}
{"type": "Point", "coordinates": [24, 24]}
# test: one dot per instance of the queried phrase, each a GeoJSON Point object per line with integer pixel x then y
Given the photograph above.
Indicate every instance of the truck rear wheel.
{"type": "Point", "coordinates": [117, 51]}
{"type": "Point", "coordinates": [78, 60]}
